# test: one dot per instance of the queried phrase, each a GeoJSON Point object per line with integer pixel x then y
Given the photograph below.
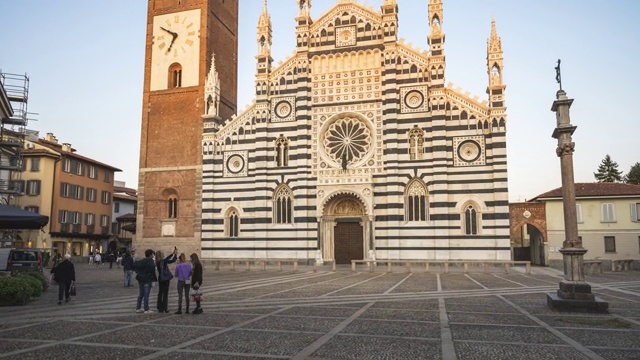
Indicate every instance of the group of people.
{"type": "Point", "coordinates": [149, 270]}
{"type": "Point", "coordinates": [98, 259]}
{"type": "Point", "coordinates": [154, 268]}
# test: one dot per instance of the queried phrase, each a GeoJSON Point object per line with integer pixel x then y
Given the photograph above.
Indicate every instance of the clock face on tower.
{"type": "Point", "coordinates": [176, 47]}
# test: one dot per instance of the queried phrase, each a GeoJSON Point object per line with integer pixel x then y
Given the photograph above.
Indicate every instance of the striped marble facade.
{"type": "Point", "coordinates": [355, 148]}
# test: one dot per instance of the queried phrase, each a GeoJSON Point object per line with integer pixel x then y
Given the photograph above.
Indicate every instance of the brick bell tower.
{"type": "Point", "coordinates": [182, 36]}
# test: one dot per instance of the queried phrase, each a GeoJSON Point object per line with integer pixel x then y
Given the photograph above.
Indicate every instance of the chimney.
{"type": "Point", "coordinates": [66, 147]}
{"type": "Point", "coordinates": [51, 138]}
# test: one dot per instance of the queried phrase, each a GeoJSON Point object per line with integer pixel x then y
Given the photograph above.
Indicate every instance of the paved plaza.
{"type": "Point", "coordinates": [330, 315]}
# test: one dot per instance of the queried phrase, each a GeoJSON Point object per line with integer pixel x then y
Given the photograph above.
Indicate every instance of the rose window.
{"type": "Point", "coordinates": [347, 137]}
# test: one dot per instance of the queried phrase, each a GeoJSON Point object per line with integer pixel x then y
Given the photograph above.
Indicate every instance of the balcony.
{"type": "Point", "coordinates": [64, 228]}
{"type": "Point", "coordinates": [76, 228]}
{"type": "Point", "coordinates": [10, 187]}
{"type": "Point", "coordinates": [90, 229]}
{"type": "Point", "coordinates": [10, 163]}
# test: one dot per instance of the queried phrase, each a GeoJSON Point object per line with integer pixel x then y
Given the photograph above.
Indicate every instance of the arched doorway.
{"type": "Point", "coordinates": [528, 232]}
{"type": "Point", "coordinates": [345, 229]}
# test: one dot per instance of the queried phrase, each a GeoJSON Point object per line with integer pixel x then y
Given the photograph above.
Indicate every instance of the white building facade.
{"type": "Point", "coordinates": [356, 148]}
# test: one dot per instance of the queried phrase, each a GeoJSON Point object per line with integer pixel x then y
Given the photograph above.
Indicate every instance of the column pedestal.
{"type": "Point", "coordinates": [574, 293]}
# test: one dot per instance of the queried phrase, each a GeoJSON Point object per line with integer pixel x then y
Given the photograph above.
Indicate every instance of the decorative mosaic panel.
{"type": "Point", "coordinates": [235, 163]}
{"type": "Point", "coordinates": [283, 109]}
{"type": "Point", "coordinates": [345, 36]}
{"type": "Point", "coordinates": [414, 99]}
{"type": "Point", "coordinates": [468, 151]}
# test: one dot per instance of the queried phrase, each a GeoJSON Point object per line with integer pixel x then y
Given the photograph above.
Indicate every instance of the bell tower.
{"type": "Point", "coordinates": [182, 38]}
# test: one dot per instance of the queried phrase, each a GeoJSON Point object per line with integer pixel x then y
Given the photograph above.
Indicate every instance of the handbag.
{"type": "Point", "coordinates": [196, 295]}
{"type": "Point", "coordinates": [52, 280]}
{"type": "Point", "coordinates": [166, 274]}
{"type": "Point", "coordinates": [72, 289]}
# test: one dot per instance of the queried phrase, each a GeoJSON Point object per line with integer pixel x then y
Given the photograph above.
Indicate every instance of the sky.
{"type": "Point", "coordinates": [85, 63]}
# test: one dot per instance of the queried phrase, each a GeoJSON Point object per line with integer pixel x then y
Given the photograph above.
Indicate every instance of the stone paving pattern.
{"type": "Point", "coordinates": [330, 315]}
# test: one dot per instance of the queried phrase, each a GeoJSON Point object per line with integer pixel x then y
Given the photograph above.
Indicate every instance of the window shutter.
{"type": "Point", "coordinates": [634, 212]}
{"type": "Point", "coordinates": [579, 213]}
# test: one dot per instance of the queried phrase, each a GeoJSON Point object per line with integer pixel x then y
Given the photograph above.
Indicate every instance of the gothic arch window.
{"type": "Point", "coordinates": [282, 151]}
{"type": "Point", "coordinates": [232, 223]}
{"type": "Point", "coordinates": [282, 205]}
{"type": "Point", "coordinates": [415, 204]}
{"type": "Point", "coordinates": [416, 143]}
{"type": "Point", "coordinates": [470, 216]}
{"type": "Point", "coordinates": [175, 76]}
{"type": "Point", "coordinates": [172, 207]}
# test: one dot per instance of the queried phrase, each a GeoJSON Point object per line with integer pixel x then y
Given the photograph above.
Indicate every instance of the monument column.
{"type": "Point", "coordinates": [574, 293]}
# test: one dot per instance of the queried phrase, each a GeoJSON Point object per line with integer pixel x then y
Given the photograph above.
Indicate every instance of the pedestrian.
{"type": "Point", "coordinates": [98, 260]}
{"type": "Point", "coordinates": [127, 265]}
{"type": "Point", "coordinates": [164, 278]}
{"type": "Point", "coordinates": [64, 274]}
{"type": "Point", "coordinates": [119, 259]}
{"type": "Point", "coordinates": [91, 258]}
{"type": "Point", "coordinates": [196, 279]}
{"type": "Point", "coordinates": [111, 258]}
{"type": "Point", "coordinates": [146, 275]}
{"type": "Point", "coordinates": [57, 259]}
{"type": "Point", "coordinates": [183, 273]}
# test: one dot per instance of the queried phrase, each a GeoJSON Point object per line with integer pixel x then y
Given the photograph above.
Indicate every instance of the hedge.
{"type": "Point", "coordinates": [21, 288]}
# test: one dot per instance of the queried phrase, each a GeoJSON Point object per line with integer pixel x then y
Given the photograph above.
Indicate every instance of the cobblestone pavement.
{"type": "Point", "coordinates": [330, 315]}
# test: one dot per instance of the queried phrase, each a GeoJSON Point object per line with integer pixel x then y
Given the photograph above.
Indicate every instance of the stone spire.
{"type": "Point", "coordinates": [435, 39]}
{"type": "Point", "coordinates": [494, 56]}
{"type": "Point", "coordinates": [264, 32]}
{"type": "Point", "coordinates": [305, 7]}
{"type": "Point", "coordinates": [212, 90]}
{"type": "Point", "coordinates": [495, 66]}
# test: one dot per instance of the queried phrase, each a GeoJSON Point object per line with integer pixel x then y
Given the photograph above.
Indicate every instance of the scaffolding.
{"type": "Point", "coordinates": [13, 130]}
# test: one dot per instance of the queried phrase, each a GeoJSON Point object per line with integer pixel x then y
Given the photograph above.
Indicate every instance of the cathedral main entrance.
{"type": "Point", "coordinates": [345, 229]}
{"type": "Point", "coordinates": [348, 242]}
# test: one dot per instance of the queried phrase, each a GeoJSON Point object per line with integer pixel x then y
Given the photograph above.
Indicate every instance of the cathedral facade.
{"type": "Point", "coordinates": [356, 148]}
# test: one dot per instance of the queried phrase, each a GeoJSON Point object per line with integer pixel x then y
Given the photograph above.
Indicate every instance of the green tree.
{"type": "Point", "coordinates": [633, 177]}
{"type": "Point", "coordinates": [608, 171]}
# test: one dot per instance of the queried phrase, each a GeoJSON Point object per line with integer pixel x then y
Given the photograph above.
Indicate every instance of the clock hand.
{"type": "Point", "coordinates": [173, 37]}
{"type": "Point", "coordinates": [170, 32]}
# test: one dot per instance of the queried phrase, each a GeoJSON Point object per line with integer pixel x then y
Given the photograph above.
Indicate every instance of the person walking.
{"type": "Point", "coordinates": [111, 258]}
{"type": "Point", "coordinates": [64, 274]}
{"type": "Point", "coordinates": [146, 276]}
{"type": "Point", "coordinates": [164, 278]}
{"type": "Point", "coordinates": [98, 259]}
{"type": "Point", "coordinates": [183, 273]}
{"type": "Point", "coordinates": [127, 265]}
{"type": "Point", "coordinates": [196, 279]}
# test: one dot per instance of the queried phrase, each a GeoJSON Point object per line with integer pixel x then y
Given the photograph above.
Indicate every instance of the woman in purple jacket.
{"type": "Point", "coordinates": [183, 273]}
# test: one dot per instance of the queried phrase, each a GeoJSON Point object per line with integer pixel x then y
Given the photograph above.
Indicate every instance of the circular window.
{"type": "Point", "coordinates": [347, 139]}
{"type": "Point", "coordinates": [414, 99]}
{"type": "Point", "coordinates": [283, 109]}
{"type": "Point", "coordinates": [469, 151]}
{"type": "Point", "coordinates": [235, 164]}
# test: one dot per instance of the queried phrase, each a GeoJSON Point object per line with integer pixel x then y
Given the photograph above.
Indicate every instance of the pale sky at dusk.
{"type": "Point", "coordinates": [85, 61]}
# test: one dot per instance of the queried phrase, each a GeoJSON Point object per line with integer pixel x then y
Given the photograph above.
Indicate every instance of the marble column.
{"type": "Point", "coordinates": [574, 293]}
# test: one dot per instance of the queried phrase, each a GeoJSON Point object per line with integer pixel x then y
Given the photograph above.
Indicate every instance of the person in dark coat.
{"type": "Point", "coordinates": [163, 283]}
{"type": "Point", "coordinates": [196, 279]}
{"type": "Point", "coordinates": [127, 264]}
{"type": "Point", "coordinates": [64, 274]}
{"type": "Point", "coordinates": [146, 276]}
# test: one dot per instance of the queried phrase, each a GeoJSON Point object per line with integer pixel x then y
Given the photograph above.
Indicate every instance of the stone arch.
{"type": "Point", "coordinates": [531, 215]}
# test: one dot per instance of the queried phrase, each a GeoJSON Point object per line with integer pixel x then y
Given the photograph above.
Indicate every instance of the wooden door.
{"type": "Point", "coordinates": [348, 243]}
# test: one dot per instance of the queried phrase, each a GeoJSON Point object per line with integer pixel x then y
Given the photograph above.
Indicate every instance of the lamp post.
{"type": "Point", "coordinates": [574, 293]}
